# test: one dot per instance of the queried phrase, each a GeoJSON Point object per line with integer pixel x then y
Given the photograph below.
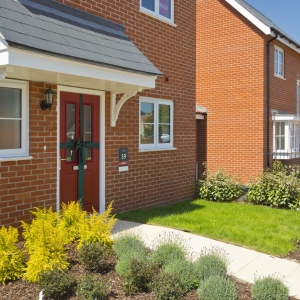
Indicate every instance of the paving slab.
{"type": "Point", "coordinates": [245, 264]}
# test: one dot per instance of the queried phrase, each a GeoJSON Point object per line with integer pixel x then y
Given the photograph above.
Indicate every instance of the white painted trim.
{"type": "Point", "coordinates": [248, 15]}
{"type": "Point", "coordinates": [34, 60]}
{"type": "Point", "coordinates": [286, 117]}
{"type": "Point", "coordinates": [16, 158]}
{"type": "Point", "coordinates": [156, 149]}
{"type": "Point", "coordinates": [101, 94]}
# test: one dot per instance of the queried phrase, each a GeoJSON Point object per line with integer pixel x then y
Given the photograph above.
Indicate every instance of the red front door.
{"type": "Point", "coordinates": [79, 125]}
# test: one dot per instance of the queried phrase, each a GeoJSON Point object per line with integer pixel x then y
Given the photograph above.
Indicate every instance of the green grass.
{"type": "Point", "coordinates": [261, 228]}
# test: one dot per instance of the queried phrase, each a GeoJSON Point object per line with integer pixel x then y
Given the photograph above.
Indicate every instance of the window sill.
{"type": "Point", "coordinates": [157, 149]}
{"type": "Point", "coordinates": [280, 77]}
{"type": "Point", "coordinates": [15, 158]}
{"type": "Point", "coordinates": [158, 18]}
{"type": "Point", "coordinates": [286, 155]}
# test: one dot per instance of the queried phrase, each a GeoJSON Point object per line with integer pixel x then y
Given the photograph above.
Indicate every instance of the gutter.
{"type": "Point", "coordinates": [268, 96]}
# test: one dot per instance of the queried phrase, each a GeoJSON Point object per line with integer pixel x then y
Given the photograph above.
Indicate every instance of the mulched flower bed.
{"type": "Point", "coordinates": [22, 290]}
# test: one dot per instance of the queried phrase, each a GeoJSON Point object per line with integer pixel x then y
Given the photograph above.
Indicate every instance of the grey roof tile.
{"type": "Point", "coordinates": [49, 26]}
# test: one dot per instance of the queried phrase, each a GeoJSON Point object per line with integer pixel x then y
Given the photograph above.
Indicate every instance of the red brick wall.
{"type": "Point", "coordinates": [230, 84]}
{"type": "Point", "coordinates": [26, 184]}
{"type": "Point", "coordinates": [284, 91]}
{"type": "Point", "coordinates": [154, 178]}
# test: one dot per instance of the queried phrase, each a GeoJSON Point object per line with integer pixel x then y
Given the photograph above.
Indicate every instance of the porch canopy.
{"type": "Point", "coordinates": [43, 40]}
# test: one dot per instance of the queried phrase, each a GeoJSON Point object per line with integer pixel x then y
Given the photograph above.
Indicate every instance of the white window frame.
{"type": "Point", "coordinates": [156, 144]}
{"type": "Point", "coordinates": [156, 14]}
{"type": "Point", "coordinates": [279, 50]}
{"type": "Point", "coordinates": [6, 154]}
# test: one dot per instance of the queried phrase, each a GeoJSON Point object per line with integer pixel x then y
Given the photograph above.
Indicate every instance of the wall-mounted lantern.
{"type": "Point", "coordinates": [49, 99]}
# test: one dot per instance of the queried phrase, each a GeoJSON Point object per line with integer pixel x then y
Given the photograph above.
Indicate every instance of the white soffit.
{"type": "Point", "coordinates": [33, 66]}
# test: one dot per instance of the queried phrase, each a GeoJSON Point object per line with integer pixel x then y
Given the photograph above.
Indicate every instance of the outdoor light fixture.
{"type": "Point", "coordinates": [49, 99]}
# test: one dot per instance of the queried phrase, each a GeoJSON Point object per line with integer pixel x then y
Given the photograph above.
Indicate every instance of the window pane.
{"type": "Point", "coordinates": [147, 133]}
{"type": "Point", "coordinates": [10, 134]}
{"type": "Point", "coordinates": [164, 113]}
{"type": "Point", "coordinates": [88, 130]}
{"type": "Point", "coordinates": [147, 112]}
{"type": "Point", "coordinates": [10, 103]}
{"type": "Point", "coordinates": [70, 128]}
{"type": "Point", "coordinates": [165, 8]}
{"type": "Point", "coordinates": [282, 124]}
{"type": "Point", "coordinates": [164, 134]}
{"type": "Point", "coordinates": [149, 4]}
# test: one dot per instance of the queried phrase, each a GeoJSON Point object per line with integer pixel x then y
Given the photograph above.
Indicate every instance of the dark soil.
{"type": "Point", "coordinates": [22, 290]}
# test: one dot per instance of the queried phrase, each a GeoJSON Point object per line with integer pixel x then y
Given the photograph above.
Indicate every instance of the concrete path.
{"type": "Point", "coordinates": [244, 263]}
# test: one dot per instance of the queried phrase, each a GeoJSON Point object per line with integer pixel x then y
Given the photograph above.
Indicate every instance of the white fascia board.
{"type": "Point", "coordinates": [249, 16]}
{"type": "Point", "coordinates": [33, 60]}
{"type": "Point", "coordinates": [286, 117]}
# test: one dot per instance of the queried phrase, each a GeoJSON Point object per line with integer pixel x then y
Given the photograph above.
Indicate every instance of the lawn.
{"type": "Point", "coordinates": [260, 228]}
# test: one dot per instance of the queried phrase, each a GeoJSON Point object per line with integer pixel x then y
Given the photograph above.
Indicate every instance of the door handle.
{"type": "Point", "coordinates": [60, 159]}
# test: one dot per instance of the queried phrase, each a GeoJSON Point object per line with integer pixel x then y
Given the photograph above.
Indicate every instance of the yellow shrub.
{"type": "Point", "coordinates": [11, 258]}
{"type": "Point", "coordinates": [96, 227]}
{"type": "Point", "coordinates": [70, 216]}
{"type": "Point", "coordinates": [45, 243]}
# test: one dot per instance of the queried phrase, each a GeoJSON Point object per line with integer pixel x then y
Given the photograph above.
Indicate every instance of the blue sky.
{"type": "Point", "coordinates": [284, 13]}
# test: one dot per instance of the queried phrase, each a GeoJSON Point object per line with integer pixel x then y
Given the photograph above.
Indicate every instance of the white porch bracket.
{"type": "Point", "coordinates": [116, 107]}
{"type": "Point", "coordinates": [4, 71]}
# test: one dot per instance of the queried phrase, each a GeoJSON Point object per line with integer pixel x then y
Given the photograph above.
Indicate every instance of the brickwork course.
{"type": "Point", "coordinates": [232, 85]}
{"type": "Point", "coordinates": [154, 177]}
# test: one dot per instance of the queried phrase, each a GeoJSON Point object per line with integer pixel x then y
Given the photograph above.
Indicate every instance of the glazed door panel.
{"type": "Point", "coordinates": [79, 153]}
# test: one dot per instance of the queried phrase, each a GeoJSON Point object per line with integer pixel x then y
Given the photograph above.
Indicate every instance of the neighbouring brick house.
{"type": "Point", "coordinates": [122, 125]}
{"type": "Point", "coordinates": [251, 114]}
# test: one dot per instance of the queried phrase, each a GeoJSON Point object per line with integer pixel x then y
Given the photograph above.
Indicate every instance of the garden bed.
{"type": "Point", "coordinates": [22, 290]}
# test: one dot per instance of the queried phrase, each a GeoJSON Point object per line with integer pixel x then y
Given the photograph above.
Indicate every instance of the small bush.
{"type": "Point", "coordinates": [70, 216]}
{"type": "Point", "coordinates": [167, 286]}
{"type": "Point", "coordinates": [96, 227]}
{"type": "Point", "coordinates": [91, 287]}
{"type": "Point", "coordinates": [126, 244]}
{"type": "Point", "coordinates": [211, 262]}
{"type": "Point", "coordinates": [11, 258]}
{"type": "Point", "coordinates": [278, 188]}
{"type": "Point", "coordinates": [45, 244]}
{"type": "Point", "coordinates": [141, 274]}
{"type": "Point", "coordinates": [94, 256]}
{"type": "Point", "coordinates": [56, 284]}
{"type": "Point", "coordinates": [168, 246]}
{"type": "Point", "coordinates": [269, 288]}
{"type": "Point", "coordinates": [220, 187]}
{"type": "Point", "coordinates": [217, 288]}
{"type": "Point", "coordinates": [186, 272]}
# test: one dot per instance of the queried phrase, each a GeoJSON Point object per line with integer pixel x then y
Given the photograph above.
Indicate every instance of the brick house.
{"type": "Point", "coordinates": [122, 124]}
{"type": "Point", "coordinates": [248, 83]}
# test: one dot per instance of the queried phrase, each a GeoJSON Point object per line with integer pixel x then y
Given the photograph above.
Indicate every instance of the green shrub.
{"type": "Point", "coordinates": [128, 243]}
{"type": "Point", "coordinates": [45, 244]}
{"type": "Point", "coordinates": [91, 287]}
{"type": "Point", "coordinates": [166, 286]}
{"type": "Point", "coordinates": [94, 256]}
{"type": "Point", "coordinates": [11, 258]}
{"type": "Point", "coordinates": [269, 288]}
{"type": "Point", "coordinates": [279, 188]}
{"type": "Point", "coordinates": [217, 288]}
{"type": "Point", "coordinates": [211, 262]}
{"type": "Point", "coordinates": [167, 247]}
{"type": "Point", "coordinates": [141, 274]}
{"type": "Point", "coordinates": [56, 284]}
{"type": "Point", "coordinates": [123, 264]}
{"type": "Point", "coordinates": [166, 253]}
{"type": "Point", "coordinates": [220, 187]}
{"type": "Point", "coordinates": [186, 272]}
